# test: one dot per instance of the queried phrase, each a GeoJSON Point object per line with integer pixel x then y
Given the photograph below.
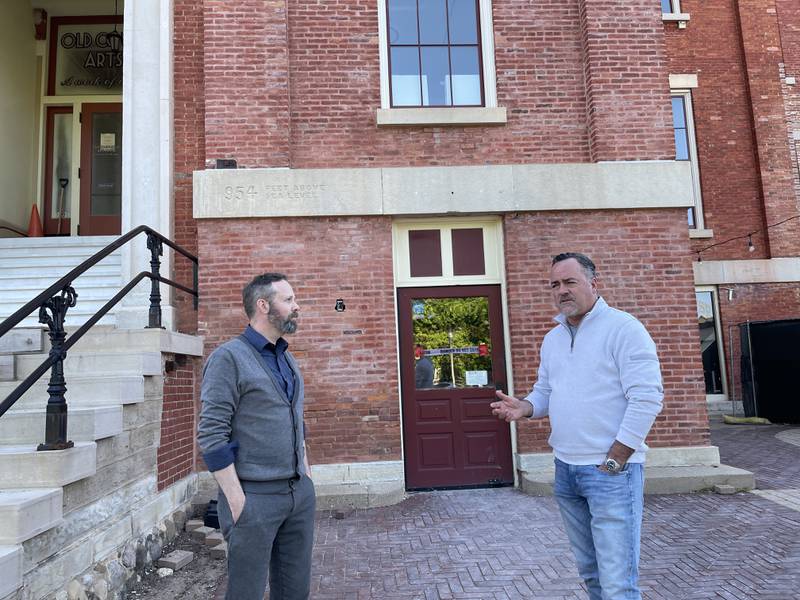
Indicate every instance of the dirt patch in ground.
{"type": "Point", "coordinates": [196, 581]}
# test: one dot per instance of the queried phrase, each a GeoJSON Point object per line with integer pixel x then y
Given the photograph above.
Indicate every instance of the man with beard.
{"type": "Point", "coordinates": [251, 435]}
{"type": "Point", "coordinates": [599, 382]}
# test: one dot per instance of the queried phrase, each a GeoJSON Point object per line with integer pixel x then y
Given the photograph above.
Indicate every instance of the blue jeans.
{"type": "Point", "coordinates": [603, 517]}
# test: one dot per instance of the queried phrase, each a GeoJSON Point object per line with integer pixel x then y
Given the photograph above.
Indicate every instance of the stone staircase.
{"type": "Point", "coordinates": [28, 266]}
{"type": "Point", "coordinates": [63, 511]}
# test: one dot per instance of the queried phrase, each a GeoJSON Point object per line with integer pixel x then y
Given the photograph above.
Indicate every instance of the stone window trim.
{"type": "Point", "coordinates": [723, 356]}
{"type": "Point", "coordinates": [488, 114]}
{"type": "Point", "coordinates": [675, 15]}
{"type": "Point", "coordinates": [687, 82]}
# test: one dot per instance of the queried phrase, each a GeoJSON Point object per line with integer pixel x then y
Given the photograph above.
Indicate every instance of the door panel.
{"type": "Point", "coordinates": [57, 170]}
{"type": "Point", "coordinates": [453, 356]}
{"type": "Point", "coordinates": [101, 169]}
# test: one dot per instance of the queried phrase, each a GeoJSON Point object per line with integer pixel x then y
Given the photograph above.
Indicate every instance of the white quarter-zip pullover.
{"type": "Point", "coordinates": [600, 384]}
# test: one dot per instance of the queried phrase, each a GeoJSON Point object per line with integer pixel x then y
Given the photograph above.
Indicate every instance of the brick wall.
{"type": "Point", "coordinates": [189, 150]}
{"type": "Point", "coordinates": [748, 167]}
{"type": "Point", "coordinates": [643, 268]}
{"type": "Point", "coordinates": [711, 47]}
{"type": "Point", "coordinates": [313, 103]}
{"type": "Point", "coordinates": [245, 61]}
{"type": "Point", "coordinates": [348, 359]}
{"type": "Point", "coordinates": [176, 452]}
{"type": "Point", "coordinates": [625, 70]}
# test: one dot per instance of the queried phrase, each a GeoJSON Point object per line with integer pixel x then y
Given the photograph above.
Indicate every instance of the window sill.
{"type": "Point", "coordinates": [680, 18]}
{"type": "Point", "coordinates": [477, 115]}
{"type": "Point", "coordinates": [696, 234]}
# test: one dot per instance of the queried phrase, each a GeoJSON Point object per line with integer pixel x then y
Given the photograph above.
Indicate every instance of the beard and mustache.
{"type": "Point", "coordinates": [286, 324]}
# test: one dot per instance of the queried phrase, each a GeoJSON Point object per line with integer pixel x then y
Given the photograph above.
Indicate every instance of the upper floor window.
{"type": "Point", "coordinates": [671, 11]}
{"type": "Point", "coordinates": [686, 149]}
{"type": "Point", "coordinates": [434, 53]}
{"type": "Point", "coordinates": [670, 6]}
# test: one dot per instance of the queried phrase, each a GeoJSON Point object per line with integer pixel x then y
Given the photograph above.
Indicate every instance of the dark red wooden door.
{"type": "Point", "coordinates": [101, 169]}
{"type": "Point", "coordinates": [452, 359]}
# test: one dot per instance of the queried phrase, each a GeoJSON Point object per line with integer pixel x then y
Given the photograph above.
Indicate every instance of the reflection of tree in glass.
{"type": "Point", "coordinates": [468, 320]}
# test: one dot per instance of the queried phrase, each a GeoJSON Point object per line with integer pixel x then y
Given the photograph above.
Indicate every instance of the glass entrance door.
{"type": "Point", "coordinates": [101, 169]}
{"type": "Point", "coordinates": [453, 359]}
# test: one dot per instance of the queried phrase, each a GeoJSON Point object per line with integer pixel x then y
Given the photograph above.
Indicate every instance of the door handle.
{"type": "Point", "coordinates": [499, 385]}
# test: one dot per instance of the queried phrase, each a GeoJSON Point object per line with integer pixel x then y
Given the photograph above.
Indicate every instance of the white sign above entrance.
{"type": "Point", "coordinates": [85, 56]}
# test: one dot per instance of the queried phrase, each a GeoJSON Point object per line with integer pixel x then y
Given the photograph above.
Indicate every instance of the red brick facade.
{"type": "Point", "coordinates": [176, 452]}
{"type": "Point", "coordinates": [276, 84]}
{"type": "Point", "coordinates": [746, 119]}
{"type": "Point", "coordinates": [349, 358]}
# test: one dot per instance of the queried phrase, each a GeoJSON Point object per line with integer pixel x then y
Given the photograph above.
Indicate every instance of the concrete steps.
{"type": "Point", "coordinates": [95, 363]}
{"type": "Point", "coordinates": [29, 265]}
{"type": "Point", "coordinates": [10, 570]}
{"type": "Point", "coordinates": [84, 424]}
{"type": "Point", "coordinates": [23, 467]}
{"type": "Point", "coordinates": [659, 480]}
{"type": "Point", "coordinates": [82, 391]}
{"type": "Point", "coordinates": [25, 513]}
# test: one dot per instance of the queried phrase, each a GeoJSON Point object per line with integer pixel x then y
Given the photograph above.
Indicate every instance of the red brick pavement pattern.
{"type": "Point", "coordinates": [501, 544]}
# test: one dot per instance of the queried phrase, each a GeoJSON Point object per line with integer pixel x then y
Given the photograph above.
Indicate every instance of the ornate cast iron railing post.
{"type": "Point", "coordinates": [56, 418]}
{"type": "Point", "coordinates": [156, 249]}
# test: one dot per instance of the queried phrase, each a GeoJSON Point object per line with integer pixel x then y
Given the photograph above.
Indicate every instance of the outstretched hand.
{"type": "Point", "coordinates": [509, 408]}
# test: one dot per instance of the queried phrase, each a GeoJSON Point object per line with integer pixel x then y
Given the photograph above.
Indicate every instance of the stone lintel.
{"type": "Point", "coordinates": [281, 192]}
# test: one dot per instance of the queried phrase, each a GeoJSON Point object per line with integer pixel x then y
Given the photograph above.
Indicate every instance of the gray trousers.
{"type": "Point", "coordinates": [273, 537]}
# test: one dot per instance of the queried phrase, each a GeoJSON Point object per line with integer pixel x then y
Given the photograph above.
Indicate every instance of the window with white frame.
{"type": "Point", "coordinates": [437, 55]}
{"type": "Point", "coordinates": [434, 53]}
{"type": "Point", "coordinates": [671, 11]}
{"type": "Point", "coordinates": [670, 6]}
{"type": "Point", "coordinates": [711, 349]}
{"type": "Point", "coordinates": [686, 149]}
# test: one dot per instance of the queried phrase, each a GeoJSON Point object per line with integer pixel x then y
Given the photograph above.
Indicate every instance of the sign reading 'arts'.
{"type": "Point", "coordinates": [88, 59]}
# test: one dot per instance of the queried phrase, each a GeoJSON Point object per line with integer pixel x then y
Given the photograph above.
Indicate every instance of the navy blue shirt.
{"type": "Point", "coordinates": [274, 356]}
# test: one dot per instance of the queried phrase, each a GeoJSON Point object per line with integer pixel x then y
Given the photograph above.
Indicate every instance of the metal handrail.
{"type": "Point", "coordinates": [58, 298]}
{"type": "Point", "coordinates": [9, 227]}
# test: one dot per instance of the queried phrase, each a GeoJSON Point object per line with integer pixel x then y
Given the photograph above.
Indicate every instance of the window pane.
{"type": "Point", "coordinates": [62, 165]}
{"type": "Point", "coordinates": [690, 218]}
{"type": "Point", "coordinates": [435, 76]}
{"type": "Point", "coordinates": [432, 22]}
{"type": "Point", "coordinates": [678, 112]}
{"type": "Point", "coordinates": [666, 6]}
{"type": "Point", "coordinates": [425, 252]}
{"type": "Point", "coordinates": [681, 145]}
{"type": "Point", "coordinates": [463, 21]}
{"type": "Point", "coordinates": [106, 164]}
{"type": "Point", "coordinates": [452, 342]}
{"type": "Point", "coordinates": [403, 22]}
{"type": "Point", "coordinates": [466, 76]}
{"type": "Point", "coordinates": [405, 76]}
{"type": "Point", "coordinates": [709, 348]}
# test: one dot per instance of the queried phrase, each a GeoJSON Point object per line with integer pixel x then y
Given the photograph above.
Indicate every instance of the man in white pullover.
{"type": "Point", "coordinates": [599, 381]}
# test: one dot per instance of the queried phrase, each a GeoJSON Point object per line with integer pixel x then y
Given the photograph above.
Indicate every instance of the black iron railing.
{"type": "Point", "coordinates": [53, 304]}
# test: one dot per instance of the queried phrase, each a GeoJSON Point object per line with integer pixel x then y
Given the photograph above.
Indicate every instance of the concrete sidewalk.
{"type": "Point", "coordinates": [502, 544]}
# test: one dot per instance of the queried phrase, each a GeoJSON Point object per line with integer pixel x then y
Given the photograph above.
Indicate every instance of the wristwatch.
{"type": "Point", "coordinates": [612, 466]}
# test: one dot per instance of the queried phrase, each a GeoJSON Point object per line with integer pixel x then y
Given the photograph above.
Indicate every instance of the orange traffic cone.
{"type": "Point", "coordinates": [35, 224]}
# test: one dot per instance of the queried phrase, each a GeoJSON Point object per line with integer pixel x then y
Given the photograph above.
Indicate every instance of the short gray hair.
{"type": "Point", "coordinates": [584, 261]}
{"type": "Point", "coordinates": [260, 287]}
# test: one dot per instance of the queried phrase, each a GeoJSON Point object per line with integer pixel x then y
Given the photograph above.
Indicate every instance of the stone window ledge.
{"type": "Point", "coordinates": [696, 234]}
{"type": "Point", "coordinates": [478, 115]}
{"type": "Point", "coordinates": [680, 18]}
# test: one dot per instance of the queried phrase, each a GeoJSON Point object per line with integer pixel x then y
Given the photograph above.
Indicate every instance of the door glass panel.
{"type": "Point", "coordinates": [709, 347]}
{"type": "Point", "coordinates": [452, 342]}
{"type": "Point", "coordinates": [62, 165]}
{"type": "Point", "coordinates": [106, 164]}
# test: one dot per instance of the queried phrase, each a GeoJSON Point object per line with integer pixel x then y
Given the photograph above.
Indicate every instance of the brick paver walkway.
{"type": "Point", "coordinates": [501, 544]}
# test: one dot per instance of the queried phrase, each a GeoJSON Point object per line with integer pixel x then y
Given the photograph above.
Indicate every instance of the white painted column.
{"type": "Point", "coordinates": [147, 139]}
